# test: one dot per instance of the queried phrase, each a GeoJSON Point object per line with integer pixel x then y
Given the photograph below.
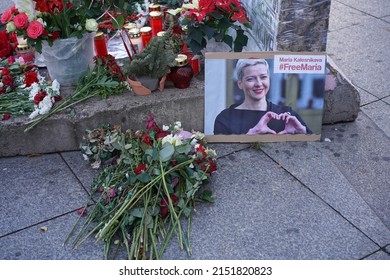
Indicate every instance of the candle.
{"type": "Point", "coordinates": [146, 35]}
{"type": "Point", "coordinates": [154, 7]}
{"type": "Point", "coordinates": [156, 22]}
{"type": "Point", "coordinates": [26, 52]}
{"type": "Point", "coordinates": [136, 40]}
{"type": "Point", "coordinates": [100, 44]}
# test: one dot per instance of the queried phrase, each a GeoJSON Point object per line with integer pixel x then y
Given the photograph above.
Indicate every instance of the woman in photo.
{"type": "Point", "coordinates": [257, 115]}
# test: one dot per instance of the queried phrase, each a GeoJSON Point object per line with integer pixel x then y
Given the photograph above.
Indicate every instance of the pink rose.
{"type": "Point", "coordinates": [34, 29]}
{"type": "Point", "coordinates": [21, 21]}
{"type": "Point", "coordinates": [6, 16]}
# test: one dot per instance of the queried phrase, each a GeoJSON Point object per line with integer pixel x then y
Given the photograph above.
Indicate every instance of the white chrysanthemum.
{"type": "Point", "coordinates": [56, 86]}
{"type": "Point", "coordinates": [165, 127]}
{"type": "Point", "coordinates": [34, 114]}
{"type": "Point", "coordinates": [34, 89]}
{"type": "Point", "coordinates": [45, 105]}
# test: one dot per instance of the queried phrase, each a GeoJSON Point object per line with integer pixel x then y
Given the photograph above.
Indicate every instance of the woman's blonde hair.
{"type": "Point", "coordinates": [242, 63]}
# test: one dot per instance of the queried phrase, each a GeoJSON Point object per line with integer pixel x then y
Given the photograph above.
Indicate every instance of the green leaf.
{"type": "Point", "coordinates": [144, 177]}
{"type": "Point", "coordinates": [118, 22]}
{"type": "Point", "coordinates": [217, 15]}
{"type": "Point", "coordinates": [206, 195]}
{"type": "Point", "coordinates": [137, 212]}
{"type": "Point", "coordinates": [184, 149]}
{"type": "Point", "coordinates": [187, 211]}
{"type": "Point", "coordinates": [167, 152]}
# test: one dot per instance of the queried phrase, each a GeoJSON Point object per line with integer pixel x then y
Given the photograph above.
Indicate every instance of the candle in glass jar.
{"type": "Point", "coordinates": [136, 40]}
{"type": "Point", "coordinates": [100, 44]}
{"type": "Point", "coordinates": [146, 35]}
{"type": "Point", "coordinates": [26, 52]}
{"type": "Point", "coordinates": [156, 22]}
{"type": "Point", "coordinates": [154, 7]}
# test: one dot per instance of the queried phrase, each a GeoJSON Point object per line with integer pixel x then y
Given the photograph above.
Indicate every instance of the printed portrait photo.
{"type": "Point", "coordinates": [264, 96]}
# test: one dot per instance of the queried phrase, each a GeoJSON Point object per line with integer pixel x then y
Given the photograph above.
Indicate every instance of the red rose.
{"type": "Point", "coordinates": [21, 21]}
{"type": "Point", "coordinates": [145, 138]}
{"type": "Point", "coordinates": [5, 46]}
{"type": "Point", "coordinates": [2, 90]}
{"type": "Point", "coordinates": [7, 80]}
{"type": "Point", "coordinates": [30, 78]}
{"type": "Point", "coordinates": [35, 29]}
{"type": "Point", "coordinates": [54, 36]}
{"type": "Point", "coordinates": [210, 166]}
{"type": "Point", "coordinates": [164, 204]}
{"type": "Point", "coordinates": [41, 5]}
{"type": "Point", "coordinates": [6, 16]}
{"type": "Point", "coordinates": [11, 59]}
{"type": "Point", "coordinates": [6, 117]}
{"type": "Point", "coordinates": [5, 71]}
{"type": "Point", "coordinates": [140, 168]}
{"type": "Point", "coordinates": [56, 6]}
{"type": "Point", "coordinates": [39, 97]}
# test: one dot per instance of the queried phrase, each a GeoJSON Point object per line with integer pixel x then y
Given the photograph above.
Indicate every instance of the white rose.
{"type": "Point", "coordinates": [168, 138]}
{"type": "Point", "coordinates": [91, 25]}
{"type": "Point", "coordinates": [10, 27]}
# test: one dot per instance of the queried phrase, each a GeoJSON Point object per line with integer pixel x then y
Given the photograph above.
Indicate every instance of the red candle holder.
{"type": "Point", "coordinates": [146, 35]}
{"type": "Point", "coordinates": [100, 45]}
{"type": "Point", "coordinates": [156, 22]}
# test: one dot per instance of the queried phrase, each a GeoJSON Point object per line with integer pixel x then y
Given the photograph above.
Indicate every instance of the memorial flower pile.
{"type": "Point", "coordinates": [48, 20]}
{"type": "Point", "coordinates": [147, 188]}
{"type": "Point", "coordinates": [24, 91]}
{"type": "Point", "coordinates": [206, 19]}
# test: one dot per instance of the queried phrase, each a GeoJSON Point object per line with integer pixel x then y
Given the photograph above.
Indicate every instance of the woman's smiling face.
{"type": "Point", "coordinates": [254, 82]}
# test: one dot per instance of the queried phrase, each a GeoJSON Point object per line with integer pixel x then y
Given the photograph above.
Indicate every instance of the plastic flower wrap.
{"type": "Point", "coordinates": [147, 187]}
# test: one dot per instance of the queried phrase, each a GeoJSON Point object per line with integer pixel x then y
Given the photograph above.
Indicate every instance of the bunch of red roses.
{"type": "Point", "coordinates": [151, 184]}
{"type": "Point", "coordinates": [47, 20]}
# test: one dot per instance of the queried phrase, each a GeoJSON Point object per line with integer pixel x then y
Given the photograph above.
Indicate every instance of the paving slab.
{"type": "Point", "coordinates": [333, 171]}
{"type": "Point", "coordinates": [35, 244]}
{"type": "Point", "coordinates": [80, 168]}
{"type": "Point", "coordinates": [342, 16]}
{"type": "Point", "coordinates": [35, 189]}
{"type": "Point", "coordinates": [262, 212]}
{"type": "Point", "coordinates": [380, 255]}
{"type": "Point", "coordinates": [377, 8]}
{"type": "Point", "coordinates": [355, 50]}
{"type": "Point", "coordinates": [366, 97]}
{"type": "Point", "coordinates": [360, 150]}
{"type": "Point", "coordinates": [380, 112]}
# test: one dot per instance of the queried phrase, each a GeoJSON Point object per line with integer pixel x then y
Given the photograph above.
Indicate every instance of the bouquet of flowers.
{"type": "Point", "coordinates": [24, 91]}
{"type": "Point", "coordinates": [48, 20]}
{"type": "Point", "coordinates": [148, 185]}
{"type": "Point", "coordinates": [105, 79]}
{"type": "Point", "coordinates": [206, 19]}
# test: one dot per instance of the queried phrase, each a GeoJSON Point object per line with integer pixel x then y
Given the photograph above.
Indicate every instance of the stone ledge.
{"type": "Point", "coordinates": [63, 132]}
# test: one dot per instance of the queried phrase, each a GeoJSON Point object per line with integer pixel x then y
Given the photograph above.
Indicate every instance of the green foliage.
{"type": "Point", "coordinates": [154, 61]}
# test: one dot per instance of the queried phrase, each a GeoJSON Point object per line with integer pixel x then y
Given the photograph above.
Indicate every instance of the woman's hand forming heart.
{"type": "Point", "coordinates": [292, 124]}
